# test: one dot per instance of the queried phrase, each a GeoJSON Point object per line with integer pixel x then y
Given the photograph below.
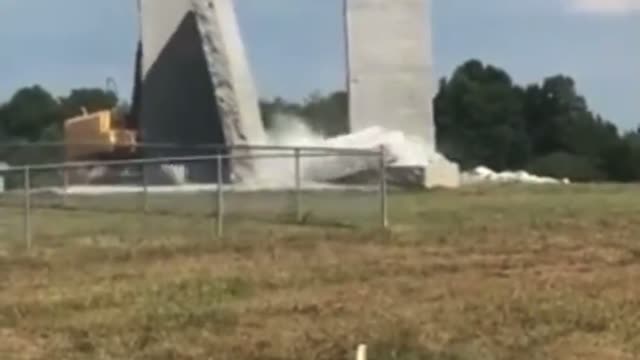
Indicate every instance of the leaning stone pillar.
{"type": "Point", "coordinates": [195, 85]}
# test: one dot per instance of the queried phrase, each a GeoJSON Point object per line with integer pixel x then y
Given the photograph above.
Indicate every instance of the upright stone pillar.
{"type": "Point", "coordinates": [390, 66]}
{"type": "Point", "coordinates": [391, 81]}
{"type": "Point", "coordinates": [195, 86]}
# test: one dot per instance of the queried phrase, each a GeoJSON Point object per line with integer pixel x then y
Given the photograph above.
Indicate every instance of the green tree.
{"type": "Point", "coordinates": [28, 113]}
{"type": "Point", "coordinates": [558, 119]}
{"type": "Point", "coordinates": [622, 159]}
{"type": "Point", "coordinates": [479, 118]}
{"type": "Point", "coordinates": [270, 109]}
{"type": "Point", "coordinates": [33, 116]}
{"type": "Point", "coordinates": [562, 165]}
{"type": "Point", "coordinates": [327, 115]}
{"type": "Point", "coordinates": [89, 99]}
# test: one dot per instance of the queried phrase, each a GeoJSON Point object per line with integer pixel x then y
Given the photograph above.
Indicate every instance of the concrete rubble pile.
{"type": "Point", "coordinates": [484, 175]}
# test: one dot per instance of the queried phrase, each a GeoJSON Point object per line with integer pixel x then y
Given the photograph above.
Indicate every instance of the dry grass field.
{"type": "Point", "coordinates": [481, 274]}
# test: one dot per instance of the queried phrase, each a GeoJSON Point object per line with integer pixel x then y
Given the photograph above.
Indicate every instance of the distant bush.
{"type": "Point", "coordinates": [564, 165]}
{"type": "Point", "coordinates": [622, 160]}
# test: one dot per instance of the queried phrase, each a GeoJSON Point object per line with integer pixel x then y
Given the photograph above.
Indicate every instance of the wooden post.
{"type": "Point", "coordinates": [361, 354]}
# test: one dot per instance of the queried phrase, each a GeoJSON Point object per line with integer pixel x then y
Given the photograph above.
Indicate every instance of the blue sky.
{"type": "Point", "coordinates": [296, 46]}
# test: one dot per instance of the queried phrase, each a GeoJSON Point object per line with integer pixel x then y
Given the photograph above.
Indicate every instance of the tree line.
{"type": "Point", "coordinates": [482, 118]}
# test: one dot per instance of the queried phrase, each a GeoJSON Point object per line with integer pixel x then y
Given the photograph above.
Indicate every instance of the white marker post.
{"type": "Point", "coordinates": [361, 354]}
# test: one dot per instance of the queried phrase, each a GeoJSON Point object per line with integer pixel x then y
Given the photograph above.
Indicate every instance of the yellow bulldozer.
{"type": "Point", "coordinates": [101, 135]}
{"type": "Point", "coordinates": [98, 136]}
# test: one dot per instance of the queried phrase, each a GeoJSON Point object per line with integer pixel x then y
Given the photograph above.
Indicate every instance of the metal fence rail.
{"type": "Point", "coordinates": [50, 191]}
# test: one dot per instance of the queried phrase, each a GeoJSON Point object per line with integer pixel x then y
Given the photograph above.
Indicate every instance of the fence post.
{"type": "Point", "coordinates": [220, 197]}
{"type": "Point", "coordinates": [27, 207]}
{"type": "Point", "coordinates": [65, 186]}
{"type": "Point", "coordinates": [145, 189]}
{"type": "Point", "coordinates": [143, 206]}
{"type": "Point", "coordinates": [298, 186]}
{"type": "Point", "coordinates": [384, 215]}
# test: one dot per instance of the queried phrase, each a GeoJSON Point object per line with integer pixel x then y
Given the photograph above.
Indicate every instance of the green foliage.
{"type": "Point", "coordinates": [28, 113]}
{"type": "Point", "coordinates": [326, 115]}
{"type": "Point", "coordinates": [33, 116]}
{"type": "Point", "coordinates": [480, 118]}
{"type": "Point", "coordinates": [622, 159]}
{"type": "Point", "coordinates": [483, 118]}
{"type": "Point", "coordinates": [89, 99]}
{"type": "Point", "coordinates": [563, 165]}
{"type": "Point", "coordinates": [271, 109]}
{"type": "Point", "coordinates": [558, 119]}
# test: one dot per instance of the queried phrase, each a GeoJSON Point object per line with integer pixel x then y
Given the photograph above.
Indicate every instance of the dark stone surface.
{"type": "Point", "coordinates": [177, 103]}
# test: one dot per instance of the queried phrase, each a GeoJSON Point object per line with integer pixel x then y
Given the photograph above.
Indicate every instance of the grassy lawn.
{"type": "Point", "coordinates": [480, 274]}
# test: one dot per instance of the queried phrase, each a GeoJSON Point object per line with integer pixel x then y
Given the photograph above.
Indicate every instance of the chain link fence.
{"type": "Point", "coordinates": [149, 199]}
